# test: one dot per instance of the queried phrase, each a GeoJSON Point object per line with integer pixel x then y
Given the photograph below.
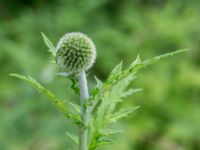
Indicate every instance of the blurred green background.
{"type": "Point", "coordinates": [169, 117]}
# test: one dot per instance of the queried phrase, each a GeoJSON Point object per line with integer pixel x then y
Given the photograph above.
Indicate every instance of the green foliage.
{"type": "Point", "coordinates": [60, 104]}
{"type": "Point", "coordinates": [111, 93]}
{"type": "Point", "coordinates": [73, 138]}
{"type": "Point", "coordinates": [169, 113]}
{"type": "Point", "coordinates": [49, 44]}
{"type": "Point", "coordinates": [118, 75]}
{"type": "Point", "coordinates": [107, 96]}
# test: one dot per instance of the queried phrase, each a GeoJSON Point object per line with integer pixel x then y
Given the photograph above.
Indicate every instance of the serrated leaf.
{"type": "Point", "coordinates": [117, 69]}
{"type": "Point", "coordinates": [60, 104]}
{"type": "Point", "coordinates": [130, 92]}
{"type": "Point", "coordinates": [113, 90]}
{"type": "Point", "coordinates": [96, 90]}
{"type": "Point", "coordinates": [136, 66]}
{"type": "Point", "coordinates": [123, 112]}
{"type": "Point", "coordinates": [73, 138]}
{"type": "Point", "coordinates": [110, 98]}
{"type": "Point", "coordinates": [153, 60]}
{"type": "Point", "coordinates": [99, 82]}
{"type": "Point", "coordinates": [137, 61]}
{"type": "Point", "coordinates": [75, 107]}
{"type": "Point", "coordinates": [108, 132]}
{"type": "Point", "coordinates": [102, 140]}
{"type": "Point", "coordinates": [49, 44]}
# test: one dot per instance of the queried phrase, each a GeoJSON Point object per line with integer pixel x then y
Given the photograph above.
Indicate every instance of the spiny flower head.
{"type": "Point", "coordinates": [75, 52]}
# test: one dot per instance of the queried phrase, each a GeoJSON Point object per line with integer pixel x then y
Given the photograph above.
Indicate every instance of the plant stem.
{"type": "Point", "coordinates": [85, 114]}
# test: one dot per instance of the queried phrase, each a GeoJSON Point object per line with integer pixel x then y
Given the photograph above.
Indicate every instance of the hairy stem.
{"type": "Point", "coordinates": [85, 114]}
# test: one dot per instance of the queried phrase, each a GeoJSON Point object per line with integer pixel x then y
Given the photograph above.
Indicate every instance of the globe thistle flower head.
{"type": "Point", "coordinates": [75, 52]}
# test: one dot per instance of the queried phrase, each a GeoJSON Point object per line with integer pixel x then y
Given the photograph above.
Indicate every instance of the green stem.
{"type": "Point", "coordinates": [85, 114]}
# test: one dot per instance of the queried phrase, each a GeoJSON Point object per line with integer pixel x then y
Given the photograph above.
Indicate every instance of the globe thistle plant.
{"type": "Point", "coordinates": [75, 53]}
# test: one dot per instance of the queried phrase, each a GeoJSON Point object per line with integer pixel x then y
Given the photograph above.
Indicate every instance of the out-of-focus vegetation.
{"type": "Point", "coordinates": [169, 117]}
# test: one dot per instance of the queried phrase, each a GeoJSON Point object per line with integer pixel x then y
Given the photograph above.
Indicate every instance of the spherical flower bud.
{"type": "Point", "coordinates": [75, 52]}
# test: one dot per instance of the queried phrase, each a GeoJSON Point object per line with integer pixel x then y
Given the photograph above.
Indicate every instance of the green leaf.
{"type": "Point", "coordinates": [75, 107]}
{"type": "Point", "coordinates": [130, 92]}
{"type": "Point", "coordinates": [109, 99]}
{"type": "Point", "coordinates": [96, 89]}
{"type": "Point", "coordinates": [117, 69]}
{"type": "Point", "coordinates": [112, 92]}
{"type": "Point", "coordinates": [144, 64]}
{"type": "Point", "coordinates": [49, 44]}
{"type": "Point", "coordinates": [123, 112]}
{"type": "Point", "coordinates": [104, 141]}
{"type": "Point", "coordinates": [73, 138]}
{"type": "Point", "coordinates": [137, 61]}
{"type": "Point", "coordinates": [60, 104]}
{"type": "Point", "coordinates": [134, 67]}
{"type": "Point", "coordinates": [99, 82]}
{"type": "Point", "coordinates": [100, 141]}
{"type": "Point", "coordinates": [108, 132]}
{"type": "Point", "coordinates": [94, 92]}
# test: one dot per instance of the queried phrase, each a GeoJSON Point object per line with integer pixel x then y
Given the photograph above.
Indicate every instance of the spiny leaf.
{"type": "Point", "coordinates": [137, 61]}
{"type": "Point", "coordinates": [73, 138]}
{"type": "Point", "coordinates": [117, 69]}
{"type": "Point", "coordinates": [153, 60]}
{"type": "Point", "coordinates": [134, 67]}
{"type": "Point", "coordinates": [49, 44]}
{"type": "Point", "coordinates": [99, 82]}
{"type": "Point", "coordinates": [112, 92]}
{"type": "Point", "coordinates": [75, 107]}
{"type": "Point", "coordinates": [123, 112]}
{"type": "Point", "coordinates": [108, 132]}
{"type": "Point", "coordinates": [106, 112]}
{"type": "Point", "coordinates": [102, 140]}
{"type": "Point", "coordinates": [130, 92]}
{"type": "Point", "coordinates": [95, 90]}
{"type": "Point", "coordinates": [60, 104]}
{"type": "Point", "coordinates": [109, 100]}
